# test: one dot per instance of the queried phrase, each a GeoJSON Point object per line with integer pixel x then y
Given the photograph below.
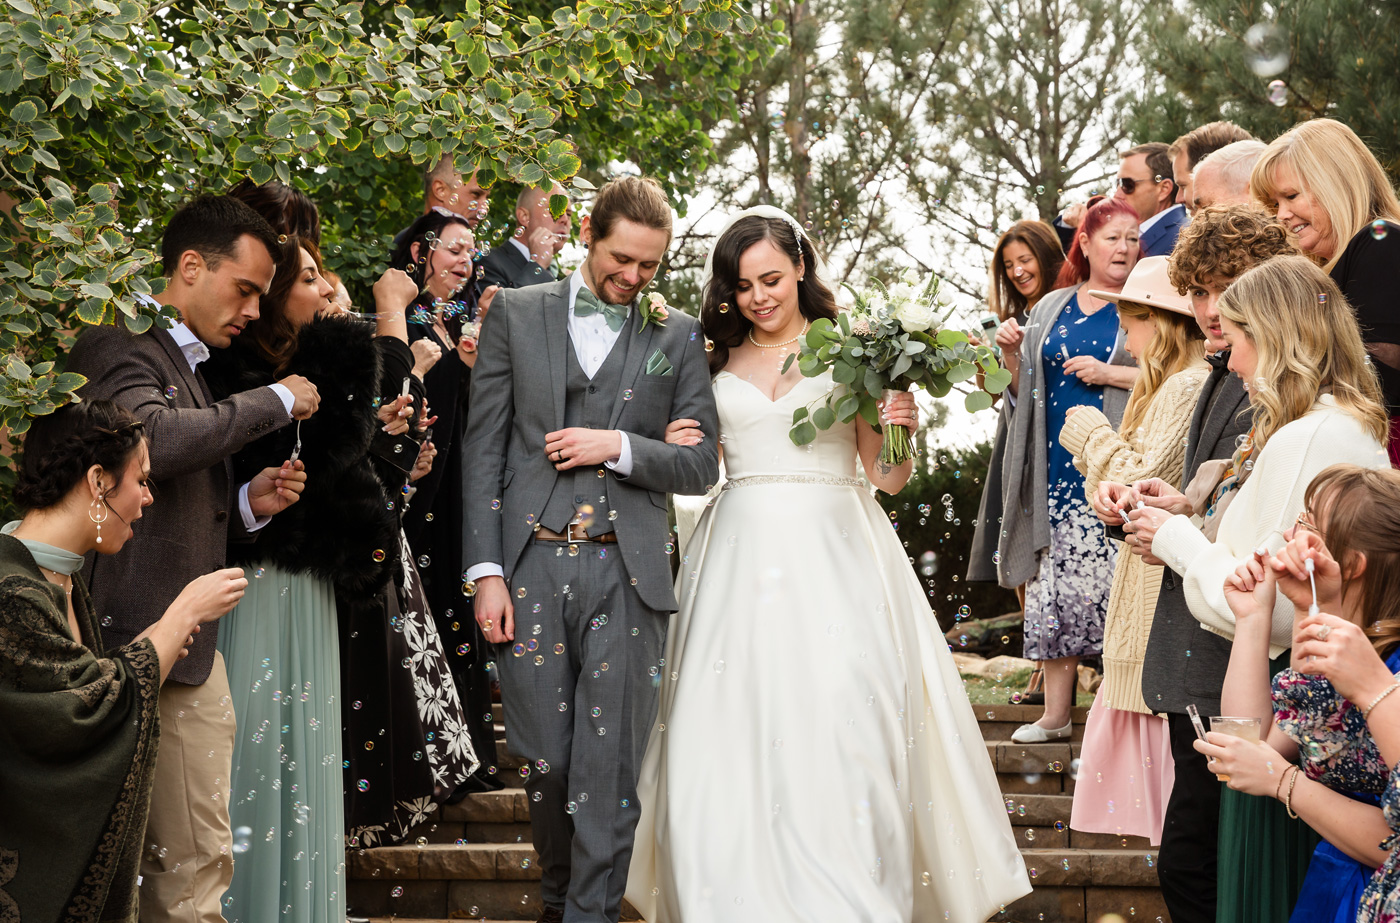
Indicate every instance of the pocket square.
{"type": "Point", "coordinates": [658, 364]}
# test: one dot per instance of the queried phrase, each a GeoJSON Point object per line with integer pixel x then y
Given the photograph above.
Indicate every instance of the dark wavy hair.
{"type": "Point", "coordinates": [726, 329]}
{"type": "Point", "coordinates": [1044, 244]}
{"type": "Point", "coordinates": [212, 226]}
{"type": "Point", "coordinates": [433, 222]}
{"type": "Point", "coordinates": [60, 448]}
{"type": "Point", "coordinates": [289, 210]}
{"type": "Point", "coordinates": [272, 334]}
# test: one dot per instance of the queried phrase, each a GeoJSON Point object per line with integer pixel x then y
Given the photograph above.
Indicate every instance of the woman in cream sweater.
{"type": "Point", "coordinates": [1125, 774]}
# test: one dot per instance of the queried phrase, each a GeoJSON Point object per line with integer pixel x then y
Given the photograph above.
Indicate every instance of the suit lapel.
{"type": "Point", "coordinates": [556, 339]}
{"type": "Point", "coordinates": [193, 382]}
{"type": "Point", "coordinates": [637, 346]}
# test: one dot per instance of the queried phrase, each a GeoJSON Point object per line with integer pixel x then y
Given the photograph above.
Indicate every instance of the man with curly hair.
{"type": "Point", "coordinates": [1184, 665]}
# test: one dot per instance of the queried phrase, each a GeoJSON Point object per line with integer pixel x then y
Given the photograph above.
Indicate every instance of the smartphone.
{"type": "Point", "coordinates": [989, 325]}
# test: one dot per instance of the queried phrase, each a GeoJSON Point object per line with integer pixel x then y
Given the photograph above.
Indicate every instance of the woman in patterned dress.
{"type": "Point", "coordinates": [1321, 704]}
{"type": "Point", "coordinates": [1070, 355]}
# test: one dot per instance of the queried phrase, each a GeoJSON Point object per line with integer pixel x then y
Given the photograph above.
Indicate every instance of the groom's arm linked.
{"type": "Point", "coordinates": [681, 469]}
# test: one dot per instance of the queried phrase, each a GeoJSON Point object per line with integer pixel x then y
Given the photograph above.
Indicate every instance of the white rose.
{"type": "Point", "coordinates": [914, 316]}
{"type": "Point", "coordinates": [877, 306]}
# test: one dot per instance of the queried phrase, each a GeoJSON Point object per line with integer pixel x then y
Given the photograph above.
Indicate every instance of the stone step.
{"type": "Point", "coordinates": [498, 880]}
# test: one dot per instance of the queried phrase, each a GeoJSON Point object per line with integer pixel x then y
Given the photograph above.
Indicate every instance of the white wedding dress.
{"type": "Point", "coordinates": [814, 757]}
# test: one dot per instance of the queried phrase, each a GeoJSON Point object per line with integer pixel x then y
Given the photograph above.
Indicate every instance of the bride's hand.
{"type": "Point", "coordinates": [684, 432]}
{"type": "Point", "coordinates": [900, 410]}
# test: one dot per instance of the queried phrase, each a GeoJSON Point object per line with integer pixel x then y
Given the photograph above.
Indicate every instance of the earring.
{"type": "Point", "coordinates": [98, 519]}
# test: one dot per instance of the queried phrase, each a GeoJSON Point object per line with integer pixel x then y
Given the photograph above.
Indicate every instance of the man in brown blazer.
{"type": "Point", "coordinates": [219, 259]}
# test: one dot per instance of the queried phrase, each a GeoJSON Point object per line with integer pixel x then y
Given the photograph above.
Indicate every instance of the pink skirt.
{"type": "Point", "coordinates": [1125, 774]}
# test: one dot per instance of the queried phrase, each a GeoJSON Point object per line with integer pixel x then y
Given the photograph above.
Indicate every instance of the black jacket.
{"type": "Point", "coordinates": [345, 527]}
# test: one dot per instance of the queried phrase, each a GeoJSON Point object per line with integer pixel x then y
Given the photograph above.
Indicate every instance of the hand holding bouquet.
{"type": "Point", "coordinates": [890, 341]}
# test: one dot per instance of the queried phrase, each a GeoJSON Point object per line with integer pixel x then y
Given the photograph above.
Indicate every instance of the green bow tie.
{"type": "Point", "coordinates": [588, 303]}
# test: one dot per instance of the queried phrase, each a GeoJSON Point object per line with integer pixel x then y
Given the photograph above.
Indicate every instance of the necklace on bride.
{"type": "Point", "coordinates": [799, 336]}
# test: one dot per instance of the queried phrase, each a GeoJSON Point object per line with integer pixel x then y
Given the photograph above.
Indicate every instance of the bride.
{"type": "Point", "coordinates": [814, 757]}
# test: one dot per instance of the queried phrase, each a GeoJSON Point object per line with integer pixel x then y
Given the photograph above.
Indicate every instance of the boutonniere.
{"type": "Point", "coordinates": [653, 310]}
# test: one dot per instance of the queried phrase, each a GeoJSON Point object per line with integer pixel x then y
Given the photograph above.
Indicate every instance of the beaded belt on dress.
{"type": "Point", "coordinates": [829, 480]}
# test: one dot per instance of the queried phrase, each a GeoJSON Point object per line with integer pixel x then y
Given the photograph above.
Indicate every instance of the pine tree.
{"type": "Point", "coordinates": [1342, 62]}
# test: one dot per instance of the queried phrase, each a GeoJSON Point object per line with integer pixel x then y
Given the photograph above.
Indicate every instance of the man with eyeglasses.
{"type": "Point", "coordinates": [1145, 182]}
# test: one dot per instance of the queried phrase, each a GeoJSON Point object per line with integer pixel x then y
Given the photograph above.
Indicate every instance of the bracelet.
{"type": "Point", "coordinates": [1278, 789]}
{"type": "Point", "coordinates": [1288, 800]}
{"type": "Point", "coordinates": [1366, 712]}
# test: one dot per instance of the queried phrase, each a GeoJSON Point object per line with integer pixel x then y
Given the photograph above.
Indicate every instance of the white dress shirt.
{"type": "Point", "coordinates": [593, 340]}
{"type": "Point", "coordinates": [195, 352]}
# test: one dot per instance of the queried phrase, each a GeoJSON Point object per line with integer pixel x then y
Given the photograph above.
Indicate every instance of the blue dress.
{"type": "Point", "coordinates": [1067, 600]}
{"type": "Point", "coordinates": [1335, 748]}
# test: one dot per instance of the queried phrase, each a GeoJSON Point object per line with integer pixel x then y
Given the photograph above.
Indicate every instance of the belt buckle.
{"type": "Point", "coordinates": [580, 536]}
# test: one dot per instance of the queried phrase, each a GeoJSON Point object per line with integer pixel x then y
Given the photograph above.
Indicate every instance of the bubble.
{"type": "Point", "coordinates": [495, 504]}
{"type": "Point", "coordinates": [363, 785]}
{"type": "Point", "coordinates": [520, 593]}
{"type": "Point", "coordinates": [397, 892]}
{"type": "Point", "coordinates": [719, 666]}
{"type": "Point", "coordinates": [257, 574]}
{"type": "Point", "coordinates": [669, 548]}
{"type": "Point", "coordinates": [571, 807]}
{"type": "Point", "coordinates": [1379, 229]}
{"type": "Point", "coordinates": [518, 650]}
{"type": "Point", "coordinates": [378, 555]}
{"type": "Point", "coordinates": [170, 392]}
{"type": "Point", "coordinates": [627, 394]}
{"type": "Point", "coordinates": [1266, 49]}
{"type": "Point", "coordinates": [242, 837]}
{"type": "Point", "coordinates": [1278, 92]}
{"type": "Point", "coordinates": [558, 648]}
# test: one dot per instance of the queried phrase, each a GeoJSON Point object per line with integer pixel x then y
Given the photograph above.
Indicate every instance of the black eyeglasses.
{"type": "Point", "coordinates": [1129, 185]}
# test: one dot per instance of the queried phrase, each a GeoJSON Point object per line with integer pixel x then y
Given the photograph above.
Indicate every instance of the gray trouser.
{"type": "Point", "coordinates": [579, 685]}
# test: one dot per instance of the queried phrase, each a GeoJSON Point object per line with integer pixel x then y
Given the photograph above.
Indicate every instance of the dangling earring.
{"type": "Point", "coordinates": [95, 518]}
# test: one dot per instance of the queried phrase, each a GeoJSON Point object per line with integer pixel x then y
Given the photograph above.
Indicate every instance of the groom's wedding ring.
{"type": "Point", "coordinates": [1323, 632]}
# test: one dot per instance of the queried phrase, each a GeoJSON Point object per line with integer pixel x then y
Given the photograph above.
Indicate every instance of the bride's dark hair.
{"type": "Point", "coordinates": [726, 329]}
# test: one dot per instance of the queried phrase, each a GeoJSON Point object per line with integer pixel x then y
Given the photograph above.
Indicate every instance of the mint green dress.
{"type": "Point", "coordinates": [281, 644]}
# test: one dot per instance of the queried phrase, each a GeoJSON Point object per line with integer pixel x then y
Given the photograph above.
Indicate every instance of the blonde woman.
{"type": "Point", "coordinates": [1126, 766]}
{"type": "Point", "coordinates": [1316, 402]}
{"type": "Point", "coordinates": [1332, 193]}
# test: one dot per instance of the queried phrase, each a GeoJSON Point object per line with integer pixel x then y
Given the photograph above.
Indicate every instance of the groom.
{"type": "Point", "coordinates": [566, 533]}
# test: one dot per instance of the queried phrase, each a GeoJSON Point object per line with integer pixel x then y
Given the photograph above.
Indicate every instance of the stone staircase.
{"type": "Point", "coordinates": [475, 861]}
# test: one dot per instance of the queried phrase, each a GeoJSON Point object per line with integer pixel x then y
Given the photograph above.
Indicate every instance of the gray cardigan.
{"type": "Point", "coordinates": [1025, 525]}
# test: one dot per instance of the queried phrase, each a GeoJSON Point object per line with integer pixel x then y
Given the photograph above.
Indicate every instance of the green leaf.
{"type": "Point", "coordinates": [268, 84]}
{"type": "Point", "coordinates": [24, 112]}
{"type": "Point", "coordinates": [803, 433]}
{"type": "Point", "coordinates": [244, 153]}
{"type": "Point", "coordinates": [260, 173]}
{"type": "Point", "coordinates": [978, 400]}
{"type": "Point", "coordinates": [997, 380]}
{"type": "Point", "coordinates": [843, 373]}
{"type": "Point", "coordinates": [100, 193]}
{"type": "Point", "coordinates": [69, 381]}
{"type": "Point", "coordinates": [869, 410]}
{"type": "Point", "coordinates": [799, 415]}
{"type": "Point", "coordinates": [787, 363]}
{"type": "Point", "coordinates": [824, 418]}
{"type": "Point", "coordinates": [962, 371]}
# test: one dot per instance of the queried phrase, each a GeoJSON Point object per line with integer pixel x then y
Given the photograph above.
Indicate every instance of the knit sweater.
{"type": "Point", "coordinates": [1268, 504]}
{"type": "Point", "coordinates": [1156, 450]}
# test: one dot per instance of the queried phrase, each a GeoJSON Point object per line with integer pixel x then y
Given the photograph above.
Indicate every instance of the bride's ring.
{"type": "Point", "coordinates": [1323, 632]}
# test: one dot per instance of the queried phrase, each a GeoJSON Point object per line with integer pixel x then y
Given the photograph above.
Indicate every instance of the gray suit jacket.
{"type": "Point", "coordinates": [185, 533]}
{"type": "Point", "coordinates": [507, 267]}
{"type": "Point", "coordinates": [1185, 663]}
{"type": "Point", "coordinates": [517, 396]}
{"type": "Point", "coordinates": [1025, 527]}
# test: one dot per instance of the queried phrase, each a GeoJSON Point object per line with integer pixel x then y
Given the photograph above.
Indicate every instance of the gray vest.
{"type": "Point", "coordinates": [587, 403]}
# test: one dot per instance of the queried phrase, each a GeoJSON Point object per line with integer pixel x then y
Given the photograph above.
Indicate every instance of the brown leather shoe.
{"type": "Point", "coordinates": [552, 915]}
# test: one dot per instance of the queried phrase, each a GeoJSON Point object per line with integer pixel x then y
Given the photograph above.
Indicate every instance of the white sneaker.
{"type": "Point", "coordinates": [1035, 734]}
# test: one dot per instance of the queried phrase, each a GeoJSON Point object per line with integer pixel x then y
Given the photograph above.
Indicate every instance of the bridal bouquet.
{"type": "Point", "coordinates": [890, 341]}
